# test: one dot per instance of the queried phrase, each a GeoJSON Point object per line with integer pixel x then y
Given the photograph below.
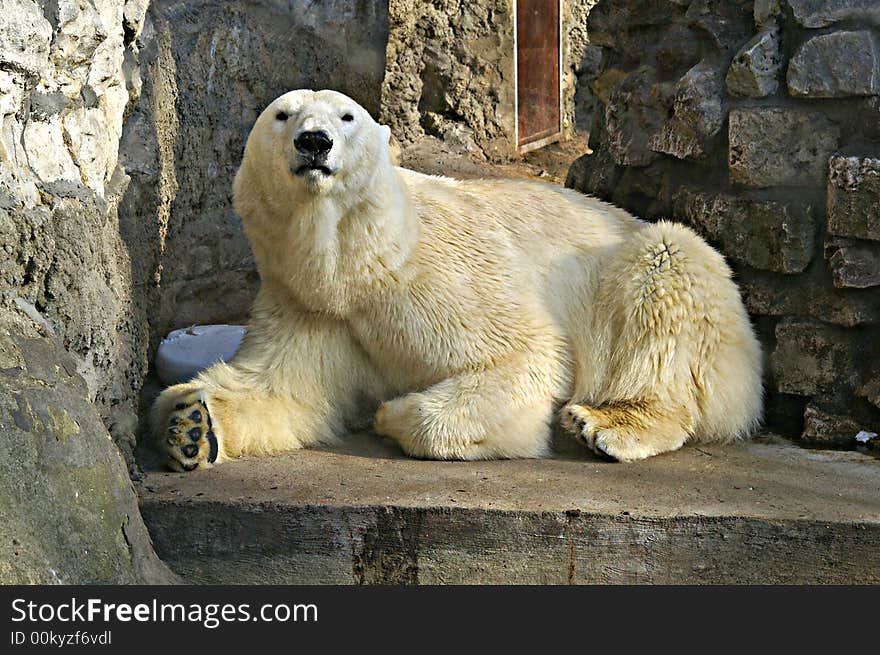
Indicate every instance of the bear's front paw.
{"type": "Point", "coordinates": [190, 438]}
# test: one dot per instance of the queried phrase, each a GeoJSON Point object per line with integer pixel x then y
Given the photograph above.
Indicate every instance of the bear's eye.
{"type": "Point", "coordinates": [281, 116]}
{"type": "Point", "coordinates": [348, 118]}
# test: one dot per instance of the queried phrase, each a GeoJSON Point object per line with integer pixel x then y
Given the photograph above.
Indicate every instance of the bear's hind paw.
{"type": "Point", "coordinates": [586, 427]}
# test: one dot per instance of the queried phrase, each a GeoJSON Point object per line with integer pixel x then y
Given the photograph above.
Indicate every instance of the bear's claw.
{"type": "Point", "coordinates": [583, 425]}
{"type": "Point", "coordinates": [190, 439]}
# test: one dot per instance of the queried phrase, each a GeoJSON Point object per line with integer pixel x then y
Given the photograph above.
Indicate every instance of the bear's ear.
{"type": "Point", "coordinates": [394, 148]}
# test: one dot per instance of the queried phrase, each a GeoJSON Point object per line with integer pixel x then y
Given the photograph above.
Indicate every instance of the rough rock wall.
{"type": "Point", "coordinates": [450, 74]}
{"type": "Point", "coordinates": [72, 342]}
{"type": "Point", "coordinates": [206, 76]}
{"type": "Point", "coordinates": [580, 65]}
{"type": "Point", "coordinates": [758, 124]}
{"type": "Point", "coordinates": [64, 96]}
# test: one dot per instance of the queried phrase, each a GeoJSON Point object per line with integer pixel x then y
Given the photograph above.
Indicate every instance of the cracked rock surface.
{"type": "Point", "coordinates": [72, 333]}
{"type": "Point", "coordinates": [67, 506]}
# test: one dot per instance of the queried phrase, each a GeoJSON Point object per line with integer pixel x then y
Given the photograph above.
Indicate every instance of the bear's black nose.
{"type": "Point", "coordinates": [313, 143]}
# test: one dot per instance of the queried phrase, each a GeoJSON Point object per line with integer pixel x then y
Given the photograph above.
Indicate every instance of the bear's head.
{"type": "Point", "coordinates": [316, 143]}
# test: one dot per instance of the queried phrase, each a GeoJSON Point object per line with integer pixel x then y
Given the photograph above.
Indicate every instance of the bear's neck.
{"type": "Point", "coordinates": [339, 252]}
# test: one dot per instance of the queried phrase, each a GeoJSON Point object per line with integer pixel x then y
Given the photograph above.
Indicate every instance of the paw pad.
{"type": "Point", "coordinates": [190, 438]}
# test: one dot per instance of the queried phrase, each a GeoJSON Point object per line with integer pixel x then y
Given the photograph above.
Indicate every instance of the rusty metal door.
{"type": "Point", "coordinates": [537, 71]}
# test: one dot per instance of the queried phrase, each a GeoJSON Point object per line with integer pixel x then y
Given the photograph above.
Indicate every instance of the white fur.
{"type": "Point", "coordinates": [467, 312]}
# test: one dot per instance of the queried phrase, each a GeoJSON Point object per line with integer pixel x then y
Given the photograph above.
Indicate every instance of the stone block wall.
{"type": "Point", "coordinates": [757, 122]}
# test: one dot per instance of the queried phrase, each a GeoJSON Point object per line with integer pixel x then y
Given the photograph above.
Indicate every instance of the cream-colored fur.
{"type": "Point", "coordinates": [467, 315]}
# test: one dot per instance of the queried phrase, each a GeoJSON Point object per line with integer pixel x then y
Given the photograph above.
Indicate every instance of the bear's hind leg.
{"type": "Point", "coordinates": [680, 359]}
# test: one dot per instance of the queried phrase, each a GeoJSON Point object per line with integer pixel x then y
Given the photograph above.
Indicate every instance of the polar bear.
{"type": "Point", "coordinates": [460, 318]}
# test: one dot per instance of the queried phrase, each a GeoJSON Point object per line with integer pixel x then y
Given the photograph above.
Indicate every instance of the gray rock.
{"type": "Point", "coordinates": [836, 65]}
{"type": "Point", "coordinates": [636, 111]}
{"type": "Point", "coordinates": [43, 137]}
{"type": "Point", "coordinates": [867, 126]}
{"type": "Point", "coordinates": [456, 135]}
{"type": "Point", "coordinates": [46, 105]}
{"type": "Point", "coordinates": [134, 12]}
{"type": "Point", "coordinates": [811, 358]}
{"type": "Point", "coordinates": [590, 61]}
{"type": "Point", "coordinates": [854, 197]}
{"type": "Point", "coordinates": [674, 49]}
{"type": "Point", "coordinates": [831, 429]}
{"type": "Point", "coordinates": [853, 264]}
{"type": "Point", "coordinates": [609, 22]}
{"type": "Point", "coordinates": [772, 146]}
{"type": "Point", "coordinates": [762, 234]}
{"type": "Point", "coordinates": [821, 13]}
{"type": "Point", "coordinates": [766, 11]}
{"type": "Point", "coordinates": [64, 261]}
{"type": "Point", "coordinates": [809, 294]}
{"type": "Point", "coordinates": [585, 105]}
{"type": "Point", "coordinates": [65, 498]}
{"type": "Point", "coordinates": [726, 24]}
{"type": "Point", "coordinates": [595, 174]}
{"type": "Point", "coordinates": [608, 80]}
{"type": "Point", "coordinates": [25, 35]}
{"type": "Point", "coordinates": [68, 509]}
{"type": "Point", "coordinates": [870, 390]}
{"type": "Point", "coordinates": [754, 71]}
{"type": "Point", "coordinates": [699, 112]}
{"type": "Point", "coordinates": [580, 66]}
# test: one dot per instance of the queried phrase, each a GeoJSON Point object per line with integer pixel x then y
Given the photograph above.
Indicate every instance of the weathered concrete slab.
{"type": "Point", "coordinates": [764, 512]}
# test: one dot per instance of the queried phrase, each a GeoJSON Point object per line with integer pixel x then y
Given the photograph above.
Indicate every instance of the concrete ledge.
{"type": "Point", "coordinates": [765, 512]}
